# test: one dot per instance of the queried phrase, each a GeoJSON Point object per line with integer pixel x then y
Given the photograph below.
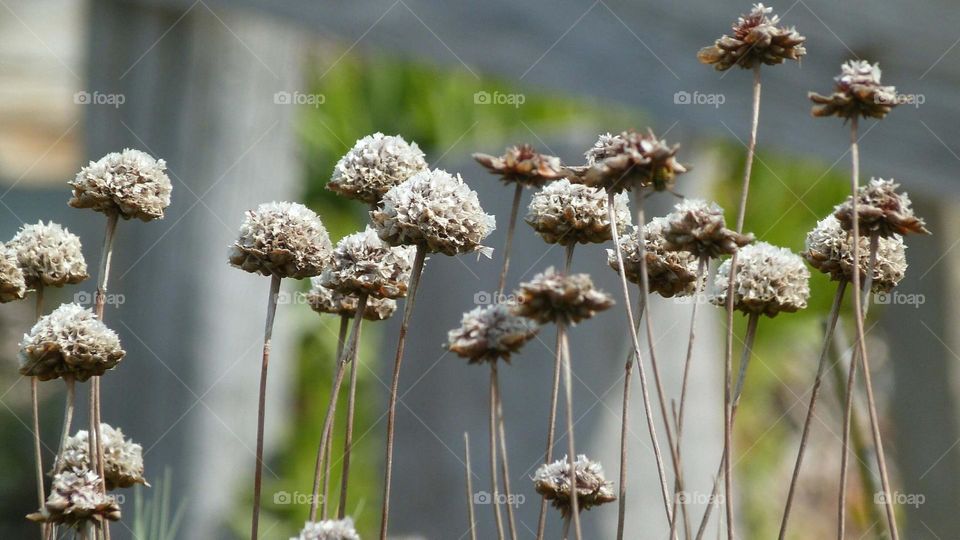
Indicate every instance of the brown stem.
{"type": "Point", "coordinates": [328, 459]}
{"type": "Point", "coordinates": [494, 483]}
{"type": "Point", "coordinates": [504, 462]}
{"type": "Point", "coordinates": [571, 446]}
{"type": "Point", "coordinates": [35, 402]}
{"type": "Point", "coordinates": [470, 510]}
{"type": "Point", "coordinates": [814, 393]}
{"type": "Point", "coordinates": [395, 383]}
{"type": "Point", "coordinates": [551, 425]}
{"type": "Point", "coordinates": [262, 403]}
{"type": "Point", "coordinates": [514, 210]}
{"type": "Point", "coordinates": [348, 437]}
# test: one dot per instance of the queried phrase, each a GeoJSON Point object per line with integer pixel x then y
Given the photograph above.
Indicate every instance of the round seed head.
{"type": "Point", "coordinates": [122, 458]}
{"type": "Point", "coordinates": [328, 529]}
{"type": "Point", "coordinates": [49, 255]}
{"type": "Point", "coordinates": [829, 249]}
{"type": "Point", "coordinates": [434, 210]}
{"type": "Point", "coordinates": [131, 184]}
{"type": "Point", "coordinates": [76, 500]}
{"type": "Point", "coordinates": [363, 264]}
{"type": "Point", "coordinates": [698, 227]}
{"type": "Point", "coordinates": [375, 164]}
{"type": "Point", "coordinates": [669, 273]}
{"type": "Point", "coordinates": [857, 92]}
{"type": "Point", "coordinates": [552, 481]}
{"type": "Point", "coordinates": [522, 165]}
{"type": "Point", "coordinates": [13, 286]}
{"type": "Point", "coordinates": [881, 211]}
{"type": "Point", "coordinates": [489, 333]}
{"type": "Point", "coordinates": [628, 161]}
{"type": "Point", "coordinates": [769, 280]}
{"type": "Point", "coordinates": [324, 300]}
{"type": "Point", "coordinates": [283, 239]}
{"type": "Point", "coordinates": [756, 40]}
{"type": "Point", "coordinates": [554, 297]}
{"type": "Point", "coordinates": [69, 342]}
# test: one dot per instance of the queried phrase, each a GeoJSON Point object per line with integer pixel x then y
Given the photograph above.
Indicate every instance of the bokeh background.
{"type": "Point", "coordinates": [255, 100]}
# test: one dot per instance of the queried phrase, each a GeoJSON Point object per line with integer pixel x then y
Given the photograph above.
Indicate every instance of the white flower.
{"type": "Point", "coordinates": [564, 213]}
{"type": "Point", "coordinates": [283, 239]}
{"type": "Point", "coordinates": [554, 297]}
{"type": "Point", "coordinates": [669, 273]}
{"type": "Point", "coordinates": [362, 263]}
{"type": "Point", "coordinates": [324, 300]}
{"type": "Point", "coordinates": [769, 280]}
{"type": "Point", "coordinates": [75, 499]}
{"type": "Point", "coordinates": [328, 529]}
{"type": "Point", "coordinates": [829, 249]}
{"type": "Point", "coordinates": [552, 481]}
{"type": "Point", "coordinates": [489, 333]}
{"type": "Point", "coordinates": [375, 164]}
{"type": "Point", "coordinates": [698, 227]}
{"type": "Point", "coordinates": [122, 458]}
{"type": "Point", "coordinates": [49, 255]}
{"type": "Point", "coordinates": [12, 283]}
{"type": "Point", "coordinates": [70, 341]}
{"type": "Point", "coordinates": [130, 183]}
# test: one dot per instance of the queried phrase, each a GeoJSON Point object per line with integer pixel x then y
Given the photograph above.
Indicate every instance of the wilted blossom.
{"type": "Point", "coordinates": [375, 164]}
{"type": "Point", "coordinates": [522, 165]}
{"type": "Point", "coordinates": [284, 239]}
{"type": "Point", "coordinates": [829, 249]}
{"type": "Point", "coordinates": [857, 92]}
{"type": "Point", "coordinates": [756, 40]}
{"type": "Point", "coordinates": [49, 255]}
{"type": "Point", "coordinates": [552, 481]}
{"type": "Point", "coordinates": [769, 280]}
{"type": "Point", "coordinates": [882, 211]}
{"type": "Point", "coordinates": [669, 273]}
{"type": "Point", "coordinates": [75, 499]}
{"type": "Point", "coordinates": [698, 227]}
{"type": "Point", "coordinates": [328, 529]}
{"type": "Point", "coordinates": [489, 333]}
{"type": "Point", "coordinates": [122, 458]}
{"type": "Point", "coordinates": [566, 214]}
{"type": "Point", "coordinates": [362, 263]}
{"type": "Point", "coordinates": [12, 283]}
{"type": "Point", "coordinates": [131, 184]}
{"type": "Point", "coordinates": [630, 160]}
{"type": "Point", "coordinates": [554, 297]}
{"type": "Point", "coordinates": [433, 210]}
{"type": "Point", "coordinates": [324, 300]}
{"type": "Point", "coordinates": [69, 342]}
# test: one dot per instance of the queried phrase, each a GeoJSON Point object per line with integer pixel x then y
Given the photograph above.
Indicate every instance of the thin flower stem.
{"type": "Point", "coordinates": [262, 403]}
{"type": "Point", "coordinates": [552, 422]}
{"type": "Point", "coordinates": [844, 458]}
{"type": "Point", "coordinates": [861, 338]}
{"type": "Point", "coordinates": [68, 407]}
{"type": "Point", "coordinates": [571, 446]}
{"type": "Point", "coordinates": [395, 383]}
{"type": "Point", "coordinates": [628, 368]}
{"type": "Point", "coordinates": [504, 462]}
{"type": "Point", "coordinates": [814, 394]}
{"type": "Point", "coordinates": [37, 446]}
{"type": "Point", "coordinates": [514, 210]}
{"type": "Point", "coordinates": [494, 483]}
{"type": "Point", "coordinates": [328, 419]}
{"type": "Point", "coordinates": [566, 527]}
{"type": "Point", "coordinates": [470, 511]}
{"type": "Point", "coordinates": [348, 437]}
{"type": "Point", "coordinates": [328, 459]}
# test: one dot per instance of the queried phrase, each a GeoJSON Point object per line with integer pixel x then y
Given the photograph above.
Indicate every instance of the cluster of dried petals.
{"type": "Point", "coordinates": [555, 297]}
{"type": "Point", "coordinates": [552, 481]}
{"type": "Point", "coordinates": [324, 300]}
{"type": "Point", "coordinates": [433, 210]}
{"type": "Point", "coordinates": [769, 280]}
{"type": "Point", "coordinates": [282, 239]}
{"type": "Point", "coordinates": [131, 184]}
{"type": "Point", "coordinates": [566, 214]}
{"type": "Point", "coordinates": [628, 161]}
{"type": "Point", "coordinates": [69, 342]}
{"type": "Point", "coordinates": [698, 226]}
{"type": "Point", "coordinates": [328, 529]}
{"type": "Point", "coordinates": [490, 333]}
{"type": "Point", "coordinates": [122, 458]}
{"type": "Point", "coordinates": [76, 500]}
{"type": "Point", "coordinates": [49, 255]}
{"type": "Point", "coordinates": [881, 210]}
{"type": "Point", "coordinates": [829, 249]}
{"type": "Point", "coordinates": [375, 164]}
{"type": "Point", "coordinates": [522, 165]}
{"type": "Point", "coordinates": [857, 92]}
{"type": "Point", "coordinates": [669, 273]}
{"type": "Point", "coordinates": [756, 40]}
{"type": "Point", "coordinates": [13, 286]}
{"type": "Point", "coordinates": [362, 263]}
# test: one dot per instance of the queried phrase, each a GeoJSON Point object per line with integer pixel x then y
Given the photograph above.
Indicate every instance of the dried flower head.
{"type": "Point", "coordinates": [857, 92]}
{"type": "Point", "coordinates": [49, 255]}
{"type": "Point", "coordinates": [669, 273]}
{"type": "Point", "coordinates": [522, 165]}
{"type": "Point", "coordinates": [131, 184]}
{"type": "Point", "coordinates": [70, 341]}
{"type": "Point", "coordinates": [489, 333]}
{"type": "Point", "coordinates": [328, 529]}
{"type": "Point", "coordinates": [566, 214]}
{"type": "Point", "coordinates": [122, 458]}
{"type": "Point", "coordinates": [554, 297]}
{"type": "Point", "coordinates": [362, 263]}
{"type": "Point", "coordinates": [829, 249]}
{"type": "Point", "coordinates": [435, 210]}
{"type": "Point", "coordinates": [375, 164]}
{"type": "Point", "coordinates": [882, 211]}
{"type": "Point", "coordinates": [630, 160]}
{"type": "Point", "coordinates": [283, 239]}
{"type": "Point", "coordinates": [324, 300]}
{"type": "Point", "coordinates": [698, 227]}
{"type": "Point", "coordinates": [756, 40]}
{"type": "Point", "coordinates": [75, 499]}
{"type": "Point", "coordinates": [769, 280]}
{"type": "Point", "coordinates": [13, 286]}
{"type": "Point", "coordinates": [552, 481]}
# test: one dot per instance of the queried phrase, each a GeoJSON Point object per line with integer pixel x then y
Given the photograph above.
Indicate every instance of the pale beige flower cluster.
{"type": "Point", "coordinates": [552, 481]}
{"type": "Point", "coordinates": [75, 499]}
{"type": "Point", "coordinates": [490, 333]}
{"type": "Point", "coordinates": [284, 239]}
{"type": "Point", "coordinates": [698, 226]}
{"type": "Point", "coordinates": [131, 184]}
{"type": "Point", "coordinates": [49, 255]}
{"type": "Point", "coordinates": [566, 214]}
{"type": "Point", "coordinates": [669, 273]}
{"type": "Point", "coordinates": [122, 458]}
{"type": "Point", "coordinates": [362, 263]}
{"type": "Point", "coordinates": [829, 249]}
{"type": "Point", "coordinates": [559, 298]}
{"type": "Point", "coordinates": [324, 300]}
{"type": "Point", "coordinates": [769, 280]}
{"type": "Point", "coordinates": [13, 286]}
{"type": "Point", "coordinates": [375, 164]}
{"type": "Point", "coordinates": [881, 210]}
{"type": "Point", "coordinates": [328, 529]}
{"type": "Point", "coordinates": [69, 342]}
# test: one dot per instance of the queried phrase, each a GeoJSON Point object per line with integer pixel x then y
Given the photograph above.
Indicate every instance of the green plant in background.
{"type": "Point", "coordinates": [152, 517]}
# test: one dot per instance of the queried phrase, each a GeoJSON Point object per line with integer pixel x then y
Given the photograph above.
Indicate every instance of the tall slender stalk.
{"type": "Point", "coordinates": [328, 458]}
{"type": "Point", "coordinates": [494, 483]}
{"type": "Point", "coordinates": [348, 437]}
{"type": "Point", "coordinates": [571, 446]}
{"type": "Point", "coordinates": [861, 339]}
{"type": "Point", "coordinates": [470, 512]}
{"type": "Point", "coordinates": [814, 393]}
{"type": "Point", "coordinates": [504, 462]}
{"type": "Point", "coordinates": [395, 383]}
{"type": "Point", "coordinates": [628, 368]}
{"type": "Point", "coordinates": [514, 210]}
{"type": "Point", "coordinates": [35, 409]}
{"type": "Point", "coordinates": [262, 403]}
